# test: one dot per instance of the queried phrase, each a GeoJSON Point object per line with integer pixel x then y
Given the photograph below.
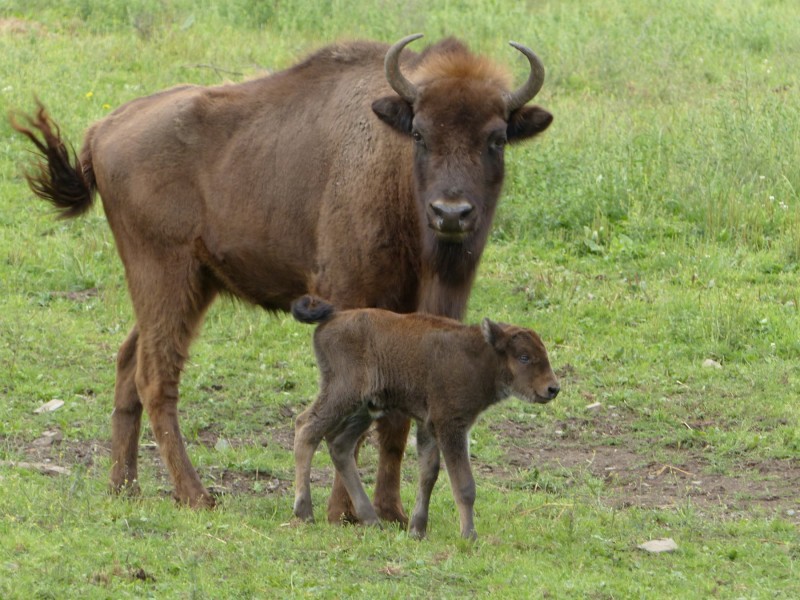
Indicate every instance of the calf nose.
{"type": "Point", "coordinates": [451, 215]}
{"type": "Point", "coordinates": [553, 391]}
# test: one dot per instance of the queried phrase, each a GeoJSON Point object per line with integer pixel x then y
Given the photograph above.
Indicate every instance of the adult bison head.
{"type": "Point", "coordinates": [457, 109]}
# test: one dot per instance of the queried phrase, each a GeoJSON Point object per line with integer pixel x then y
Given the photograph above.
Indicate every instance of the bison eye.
{"type": "Point", "coordinates": [418, 138]}
{"type": "Point", "coordinates": [524, 359]}
{"type": "Point", "coordinates": [498, 144]}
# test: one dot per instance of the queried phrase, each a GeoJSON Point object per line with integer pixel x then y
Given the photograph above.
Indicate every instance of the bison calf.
{"type": "Point", "coordinates": [439, 372]}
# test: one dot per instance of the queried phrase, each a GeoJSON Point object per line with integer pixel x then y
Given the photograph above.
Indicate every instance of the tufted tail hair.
{"type": "Point", "coordinates": [58, 176]}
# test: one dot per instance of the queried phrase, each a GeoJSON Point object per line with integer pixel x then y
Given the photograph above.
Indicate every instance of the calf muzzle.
{"type": "Point", "coordinates": [548, 394]}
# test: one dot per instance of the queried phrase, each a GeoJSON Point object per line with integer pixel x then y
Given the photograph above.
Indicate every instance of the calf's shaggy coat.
{"type": "Point", "coordinates": [435, 370]}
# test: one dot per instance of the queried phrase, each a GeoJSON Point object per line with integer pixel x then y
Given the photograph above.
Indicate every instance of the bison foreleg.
{"type": "Point", "coordinates": [393, 431]}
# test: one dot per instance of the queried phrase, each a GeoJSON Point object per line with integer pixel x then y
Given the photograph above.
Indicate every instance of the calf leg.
{"type": "Point", "coordinates": [341, 445]}
{"type": "Point", "coordinates": [126, 420]}
{"type": "Point", "coordinates": [340, 507]}
{"type": "Point", "coordinates": [307, 435]}
{"type": "Point", "coordinates": [393, 431]}
{"type": "Point", "coordinates": [456, 457]}
{"type": "Point", "coordinates": [428, 453]}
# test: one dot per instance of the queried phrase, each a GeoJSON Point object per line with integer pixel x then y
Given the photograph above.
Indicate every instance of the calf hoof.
{"type": "Point", "coordinates": [418, 528]}
{"type": "Point", "coordinates": [371, 520]}
{"type": "Point", "coordinates": [304, 512]}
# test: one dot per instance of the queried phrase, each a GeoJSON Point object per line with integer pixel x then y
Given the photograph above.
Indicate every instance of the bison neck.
{"type": "Point", "coordinates": [448, 273]}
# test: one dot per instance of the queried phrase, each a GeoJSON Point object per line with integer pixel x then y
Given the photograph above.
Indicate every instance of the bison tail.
{"type": "Point", "coordinates": [58, 176]}
{"type": "Point", "coordinates": [310, 309]}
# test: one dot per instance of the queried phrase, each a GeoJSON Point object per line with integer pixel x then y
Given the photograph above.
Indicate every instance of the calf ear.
{"type": "Point", "coordinates": [493, 333]}
{"type": "Point", "coordinates": [395, 112]}
{"type": "Point", "coordinates": [527, 122]}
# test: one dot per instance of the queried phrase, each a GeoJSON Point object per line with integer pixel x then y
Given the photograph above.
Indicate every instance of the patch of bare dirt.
{"type": "Point", "coordinates": [630, 472]}
{"type": "Point", "coordinates": [12, 26]}
{"type": "Point", "coordinates": [635, 474]}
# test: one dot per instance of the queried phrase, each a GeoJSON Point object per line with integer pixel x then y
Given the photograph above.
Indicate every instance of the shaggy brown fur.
{"type": "Point", "coordinates": [280, 186]}
{"type": "Point", "coordinates": [435, 370]}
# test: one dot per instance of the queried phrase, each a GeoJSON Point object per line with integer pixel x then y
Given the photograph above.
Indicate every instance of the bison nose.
{"type": "Point", "coordinates": [451, 216]}
{"type": "Point", "coordinates": [552, 391]}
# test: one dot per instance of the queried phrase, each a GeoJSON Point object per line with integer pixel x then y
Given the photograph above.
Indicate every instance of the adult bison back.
{"type": "Point", "coordinates": [365, 175]}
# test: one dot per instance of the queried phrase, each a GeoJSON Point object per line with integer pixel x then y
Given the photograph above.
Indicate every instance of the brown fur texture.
{"type": "Point", "coordinates": [317, 179]}
{"type": "Point", "coordinates": [434, 370]}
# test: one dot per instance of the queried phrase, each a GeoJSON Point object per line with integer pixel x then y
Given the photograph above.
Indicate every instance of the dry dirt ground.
{"type": "Point", "coordinates": [624, 471]}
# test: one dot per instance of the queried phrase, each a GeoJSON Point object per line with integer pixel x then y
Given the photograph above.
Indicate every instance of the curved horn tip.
{"type": "Point", "coordinates": [531, 87]}
{"type": "Point", "coordinates": [404, 88]}
{"type": "Point", "coordinates": [525, 50]}
{"type": "Point", "coordinates": [410, 38]}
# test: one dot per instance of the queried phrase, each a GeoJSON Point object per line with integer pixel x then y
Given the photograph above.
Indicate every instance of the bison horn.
{"type": "Point", "coordinates": [391, 65]}
{"type": "Point", "coordinates": [526, 92]}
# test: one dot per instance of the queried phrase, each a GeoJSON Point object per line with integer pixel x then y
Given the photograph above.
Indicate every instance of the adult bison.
{"type": "Point", "coordinates": [286, 185]}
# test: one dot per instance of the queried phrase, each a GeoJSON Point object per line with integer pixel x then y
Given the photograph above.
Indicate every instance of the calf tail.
{"type": "Point", "coordinates": [58, 176]}
{"type": "Point", "coordinates": [310, 309]}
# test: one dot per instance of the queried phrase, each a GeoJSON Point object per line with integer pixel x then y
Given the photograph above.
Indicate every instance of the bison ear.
{"type": "Point", "coordinates": [395, 112]}
{"type": "Point", "coordinates": [493, 333]}
{"type": "Point", "coordinates": [527, 122]}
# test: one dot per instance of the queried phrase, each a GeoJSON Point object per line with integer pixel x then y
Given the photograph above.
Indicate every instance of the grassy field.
{"type": "Point", "coordinates": [651, 236]}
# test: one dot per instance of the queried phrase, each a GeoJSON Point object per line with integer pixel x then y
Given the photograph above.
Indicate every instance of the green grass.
{"type": "Point", "coordinates": [655, 225]}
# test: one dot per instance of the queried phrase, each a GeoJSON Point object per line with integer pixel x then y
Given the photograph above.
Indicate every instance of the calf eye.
{"type": "Point", "coordinates": [524, 359]}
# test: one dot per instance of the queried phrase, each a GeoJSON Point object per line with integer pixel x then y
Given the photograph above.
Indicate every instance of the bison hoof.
{"type": "Point", "coordinates": [392, 513]}
{"type": "Point", "coordinates": [199, 501]}
{"type": "Point", "coordinates": [126, 488]}
{"type": "Point", "coordinates": [340, 510]}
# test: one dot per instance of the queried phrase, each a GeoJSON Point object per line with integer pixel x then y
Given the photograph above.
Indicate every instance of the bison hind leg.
{"type": "Point", "coordinates": [126, 421]}
{"type": "Point", "coordinates": [170, 294]}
